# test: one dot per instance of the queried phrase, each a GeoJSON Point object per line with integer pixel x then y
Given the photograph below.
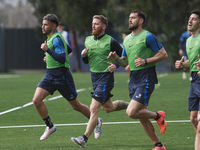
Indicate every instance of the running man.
{"type": "Point", "coordinates": [142, 51]}
{"type": "Point", "coordinates": [58, 76]}
{"type": "Point", "coordinates": [193, 50]}
{"type": "Point", "coordinates": [182, 49]}
{"type": "Point", "coordinates": [97, 49]}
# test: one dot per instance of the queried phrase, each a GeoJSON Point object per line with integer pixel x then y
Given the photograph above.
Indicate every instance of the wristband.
{"type": "Point", "coordinates": [145, 61]}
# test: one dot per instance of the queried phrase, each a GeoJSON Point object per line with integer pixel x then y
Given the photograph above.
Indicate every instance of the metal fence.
{"type": "Point", "coordinates": [19, 49]}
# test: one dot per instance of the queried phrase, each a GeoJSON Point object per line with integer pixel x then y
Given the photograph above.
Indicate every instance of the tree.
{"type": "Point", "coordinates": [76, 14]}
{"type": "Point", "coordinates": [17, 16]}
{"type": "Point", "coordinates": [166, 19]}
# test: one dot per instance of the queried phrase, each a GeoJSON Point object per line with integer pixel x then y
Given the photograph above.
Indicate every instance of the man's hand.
{"type": "Point", "coordinates": [112, 67]}
{"type": "Point", "coordinates": [44, 59]}
{"type": "Point", "coordinates": [181, 52]}
{"type": "Point", "coordinates": [139, 61]}
{"type": "Point", "coordinates": [198, 73]}
{"type": "Point", "coordinates": [178, 63]}
{"type": "Point", "coordinates": [84, 52]}
{"type": "Point", "coordinates": [112, 55]}
{"type": "Point", "coordinates": [44, 46]}
{"type": "Point", "coordinates": [197, 64]}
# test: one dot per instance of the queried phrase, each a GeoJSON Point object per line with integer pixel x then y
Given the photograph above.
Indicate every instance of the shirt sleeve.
{"type": "Point", "coordinates": [124, 51]}
{"type": "Point", "coordinates": [153, 43]}
{"type": "Point", "coordinates": [181, 41]}
{"type": "Point", "coordinates": [69, 49]}
{"type": "Point", "coordinates": [69, 41]}
{"type": "Point", "coordinates": [85, 60]}
{"type": "Point", "coordinates": [59, 54]}
{"type": "Point", "coordinates": [115, 46]}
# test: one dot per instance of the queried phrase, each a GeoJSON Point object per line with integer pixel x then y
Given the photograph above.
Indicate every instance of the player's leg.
{"type": "Point", "coordinates": [41, 108]}
{"type": "Point", "coordinates": [193, 104]}
{"type": "Point", "coordinates": [92, 123]}
{"type": "Point", "coordinates": [197, 139]}
{"type": "Point", "coordinates": [194, 119]}
{"type": "Point", "coordinates": [110, 106]}
{"type": "Point", "coordinates": [67, 89]}
{"type": "Point", "coordinates": [94, 113]}
{"type": "Point", "coordinates": [134, 111]}
{"type": "Point", "coordinates": [78, 106]}
{"type": "Point", "coordinates": [150, 130]}
{"type": "Point", "coordinates": [140, 95]}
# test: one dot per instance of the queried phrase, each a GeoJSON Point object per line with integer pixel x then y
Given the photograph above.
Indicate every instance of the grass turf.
{"type": "Point", "coordinates": [16, 90]}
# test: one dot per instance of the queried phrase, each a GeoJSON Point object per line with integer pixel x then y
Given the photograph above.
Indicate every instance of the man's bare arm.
{"type": "Point", "coordinates": [122, 61]}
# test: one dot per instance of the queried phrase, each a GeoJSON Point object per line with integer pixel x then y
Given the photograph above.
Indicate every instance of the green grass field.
{"type": "Point", "coordinates": [21, 128]}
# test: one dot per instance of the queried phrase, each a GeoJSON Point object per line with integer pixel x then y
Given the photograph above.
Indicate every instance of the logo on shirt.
{"type": "Point", "coordinates": [130, 45]}
{"type": "Point", "coordinates": [102, 45]}
{"type": "Point", "coordinates": [191, 48]}
{"type": "Point", "coordinates": [93, 49]}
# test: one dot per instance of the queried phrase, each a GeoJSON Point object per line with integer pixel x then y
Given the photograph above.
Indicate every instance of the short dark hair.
{"type": "Point", "coordinates": [52, 18]}
{"type": "Point", "coordinates": [61, 23]}
{"type": "Point", "coordinates": [197, 12]}
{"type": "Point", "coordinates": [140, 14]}
{"type": "Point", "coordinates": [126, 32]}
{"type": "Point", "coordinates": [102, 18]}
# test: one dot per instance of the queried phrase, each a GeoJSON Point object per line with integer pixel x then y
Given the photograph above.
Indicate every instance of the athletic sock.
{"type": "Point", "coordinates": [48, 122]}
{"type": "Point", "coordinates": [159, 144]}
{"type": "Point", "coordinates": [85, 138]}
{"type": "Point", "coordinates": [158, 116]}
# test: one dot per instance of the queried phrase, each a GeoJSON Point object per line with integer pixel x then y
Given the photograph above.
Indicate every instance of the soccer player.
{"type": "Point", "coordinates": [193, 50]}
{"type": "Point", "coordinates": [182, 48]}
{"type": "Point", "coordinates": [98, 46]}
{"type": "Point", "coordinates": [142, 51]}
{"type": "Point", "coordinates": [58, 76]}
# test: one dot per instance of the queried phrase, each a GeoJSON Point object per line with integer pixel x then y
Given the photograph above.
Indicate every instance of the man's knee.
{"type": "Point", "coordinates": [131, 114]}
{"type": "Point", "coordinates": [36, 101]}
{"type": "Point", "coordinates": [76, 106]}
{"type": "Point", "coordinates": [107, 110]}
{"type": "Point", "coordinates": [194, 120]}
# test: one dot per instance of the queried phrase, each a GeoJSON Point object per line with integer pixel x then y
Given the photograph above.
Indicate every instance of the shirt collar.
{"type": "Point", "coordinates": [99, 37]}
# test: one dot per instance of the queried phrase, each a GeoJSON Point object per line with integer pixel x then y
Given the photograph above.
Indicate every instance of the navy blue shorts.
{"type": "Point", "coordinates": [194, 97]}
{"type": "Point", "coordinates": [101, 93]}
{"type": "Point", "coordinates": [141, 92]}
{"type": "Point", "coordinates": [65, 85]}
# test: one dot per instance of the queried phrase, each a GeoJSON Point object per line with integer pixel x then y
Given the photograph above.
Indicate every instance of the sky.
{"type": "Point", "coordinates": [14, 2]}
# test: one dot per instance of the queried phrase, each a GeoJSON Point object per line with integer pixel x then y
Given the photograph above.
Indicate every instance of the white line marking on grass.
{"type": "Point", "coordinates": [80, 124]}
{"type": "Point", "coordinates": [9, 76]}
{"type": "Point", "coordinates": [28, 104]}
{"type": "Point", "coordinates": [31, 103]}
{"type": "Point", "coordinates": [162, 75]}
{"type": "Point", "coordinates": [10, 110]}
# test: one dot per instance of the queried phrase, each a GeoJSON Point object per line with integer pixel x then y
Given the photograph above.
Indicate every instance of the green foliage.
{"type": "Point", "coordinates": [166, 19]}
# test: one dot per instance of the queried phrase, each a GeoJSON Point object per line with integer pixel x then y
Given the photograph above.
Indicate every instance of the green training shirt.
{"type": "Point", "coordinates": [98, 53]}
{"type": "Point", "coordinates": [193, 49]}
{"type": "Point", "coordinates": [52, 63]}
{"type": "Point", "coordinates": [137, 46]}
